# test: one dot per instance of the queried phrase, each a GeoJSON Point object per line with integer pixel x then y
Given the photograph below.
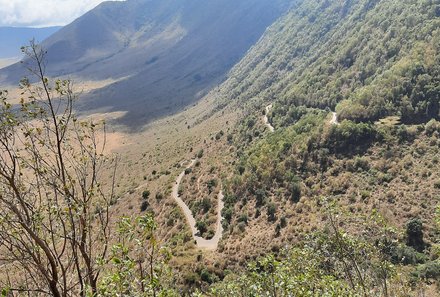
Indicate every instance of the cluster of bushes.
{"type": "Point", "coordinates": [284, 115]}
{"type": "Point", "coordinates": [350, 136]}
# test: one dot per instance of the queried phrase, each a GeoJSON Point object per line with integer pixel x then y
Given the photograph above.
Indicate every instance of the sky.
{"type": "Point", "coordinates": [42, 13]}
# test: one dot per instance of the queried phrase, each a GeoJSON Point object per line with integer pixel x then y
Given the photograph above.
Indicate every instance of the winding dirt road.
{"type": "Point", "coordinates": [266, 119]}
{"type": "Point", "coordinates": [334, 120]}
{"type": "Point", "coordinates": [212, 244]}
{"type": "Point", "coordinates": [201, 243]}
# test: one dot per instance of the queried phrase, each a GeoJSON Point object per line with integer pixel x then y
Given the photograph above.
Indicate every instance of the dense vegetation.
{"type": "Point", "coordinates": [334, 263]}
{"type": "Point", "coordinates": [318, 207]}
{"type": "Point", "coordinates": [368, 58]}
{"type": "Point", "coordinates": [375, 63]}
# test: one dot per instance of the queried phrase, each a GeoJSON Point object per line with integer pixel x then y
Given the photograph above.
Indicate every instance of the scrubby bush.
{"type": "Point", "coordinates": [144, 205]}
{"type": "Point", "coordinates": [205, 204]}
{"type": "Point", "coordinates": [219, 135]}
{"type": "Point", "coordinates": [227, 214]}
{"type": "Point", "coordinates": [277, 230]}
{"type": "Point", "coordinates": [260, 196]}
{"type": "Point", "coordinates": [202, 227]}
{"type": "Point", "coordinates": [145, 194]}
{"type": "Point", "coordinates": [294, 191]}
{"type": "Point", "coordinates": [241, 169]}
{"type": "Point", "coordinates": [430, 270]}
{"type": "Point", "coordinates": [211, 185]}
{"type": "Point", "coordinates": [243, 218]}
{"type": "Point", "coordinates": [414, 234]}
{"type": "Point", "coordinates": [432, 127]}
{"type": "Point", "coordinates": [206, 276]}
{"type": "Point", "coordinates": [271, 212]}
{"type": "Point", "coordinates": [283, 222]}
{"type": "Point", "coordinates": [406, 255]}
{"type": "Point", "coordinates": [241, 226]}
{"type": "Point", "coordinates": [349, 136]}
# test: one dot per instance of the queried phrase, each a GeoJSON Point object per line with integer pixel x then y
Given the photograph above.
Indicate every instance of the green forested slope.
{"type": "Point", "coordinates": [373, 58]}
{"type": "Point", "coordinates": [377, 64]}
{"type": "Point", "coordinates": [368, 59]}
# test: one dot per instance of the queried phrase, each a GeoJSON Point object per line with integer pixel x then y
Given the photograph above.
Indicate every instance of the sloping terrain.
{"type": "Point", "coordinates": [324, 140]}
{"type": "Point", "coordinates": [282, 187]}
{"type": "Point", "coordinates": [374, 157]}
{"type": "Point", "coordinates": [164, 54]}
{"type": "Point", "coordinates": [372, 58]}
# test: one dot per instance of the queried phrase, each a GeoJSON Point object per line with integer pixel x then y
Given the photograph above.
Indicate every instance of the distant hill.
{"type": "Point", "coordinates": [13, 38]}
{"type": "Point", "coordinates": [165, 53]}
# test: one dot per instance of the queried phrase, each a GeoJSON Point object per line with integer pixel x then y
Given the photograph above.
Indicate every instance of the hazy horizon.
{"type": "Point", "coordinates": [43, 13]}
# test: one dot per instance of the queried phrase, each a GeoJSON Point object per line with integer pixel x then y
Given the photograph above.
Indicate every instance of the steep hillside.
{"type": "Point", "coordinates": [362, 58]}
{"type": "Point", "coordinates": [318, 200]}
{"type": "Point", "coordinates": [163, 54]}
{"type": "Point", "coordinates": [374, 161]}
{"type": "Point", "coordinates": [319, 153]}
{"type": "Point", "coordinates": [371, 58]}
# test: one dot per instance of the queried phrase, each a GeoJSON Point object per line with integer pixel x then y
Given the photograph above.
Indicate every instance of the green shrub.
{"type": "Point", "coordinates": [260, 196]}
{"type": "Point", "coordinates": [227, 214]}
{"type": "Point", "coordinates": [432, 127]}
{"type": "Point", "coordinates": [430, 270]}
{"type": "Point", "coordinates": [206, 276]}
{"type": "Point", "coordinates": [144, 205]}
{"type": "Point", "coordinates": [170, 222]}
{"type": "Point", "coordinates": [206, 204]}
{"type": "Point", "coordinates": [283, 222]}
{"type": "Point", "coordinates": [159, 196]}
{"type": "Point", "coordinates": [145, 194]}
{"type": "Point", "coordinates": [241, 169]}
{"type": "Point", "coordinates": [210, 234]}
{"type": "Point", "coordinates": [414, 234]}
{"type": "Point", "coordinates": [243, 218]}
{"type": "Point", "coordinates": [349, 136]}
{"type": "Point", "coordinates": [277, 230]}
{"type": "Point", "coordinates": [407, 256]}
{"type": "Point", "coordinates": [211, 185]}
{"type": "Point", "coordinates": [241, 226]}
{"type": "Point", "coordinates": [202, 227]}
{"type": "Point", "coordinates": [294, 190]}
{"type": "Point", "coordinates": [219, 135]}
{"type": "Point", "coordinates": [271, 212]}
{"type": "Point", "coordinates": [361, 164]}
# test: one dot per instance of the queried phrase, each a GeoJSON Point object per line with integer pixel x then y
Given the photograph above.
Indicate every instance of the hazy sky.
{"type": "Point", "coordinates": [42, 13]}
